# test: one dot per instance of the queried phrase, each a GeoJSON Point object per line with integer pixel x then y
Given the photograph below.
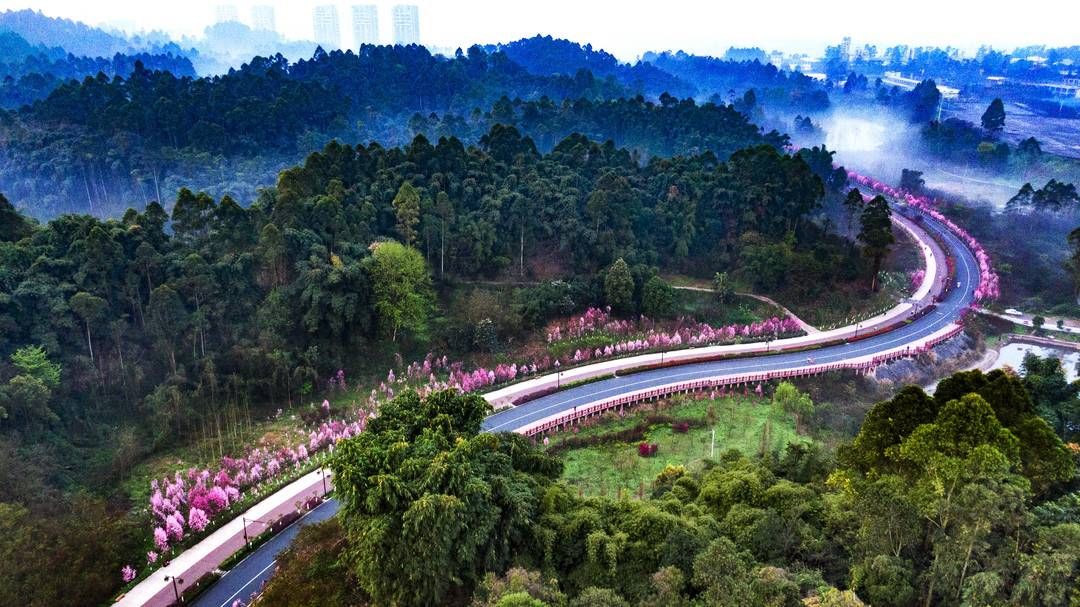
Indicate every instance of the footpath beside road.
{"type": "Point", "coordinates": [207, 555]}
{"type": "Point", "coordinates": [1038, 340]}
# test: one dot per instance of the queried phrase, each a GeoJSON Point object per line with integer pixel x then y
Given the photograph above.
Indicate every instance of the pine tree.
{"type": "Point", "coordinates": [993, 119]}
{"type": "Point", "coordinates": [876, 234]}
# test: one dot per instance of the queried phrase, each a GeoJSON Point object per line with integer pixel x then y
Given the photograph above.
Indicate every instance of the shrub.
{"type": "Point", "coordinates": [647, 449]}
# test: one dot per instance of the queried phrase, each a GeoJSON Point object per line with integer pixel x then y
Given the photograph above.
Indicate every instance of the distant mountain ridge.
{"type": "Point", "coordinates": [29, 72]}
{"type": "Point", "coordinates": [82, 40]}
{"type": "Point", "coordinates": [73, 36]}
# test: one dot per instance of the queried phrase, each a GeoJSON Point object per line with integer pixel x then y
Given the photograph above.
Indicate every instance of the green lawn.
{"type": "Point", "coordinates": [744, 423]}
{"type": "Point", "coordinates": [702, 306]}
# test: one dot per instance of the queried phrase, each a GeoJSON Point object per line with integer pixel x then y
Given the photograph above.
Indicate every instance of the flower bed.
{"type": "Point", "coordinates": [917, 278]}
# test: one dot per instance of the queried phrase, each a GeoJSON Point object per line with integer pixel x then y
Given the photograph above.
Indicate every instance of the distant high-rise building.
{"type": "Point", "coordinates": [845, 48]}
{"type": "Point", "coordinates": [262, 18]}
{"type": "Point", "coordinates": [365, 23]}
{"type": "Point", "coordinates": [226, 12]}
{"type": "Point", "coordinates": [327, 31]}
{"type": "Point", "coordinates": [406, 24]}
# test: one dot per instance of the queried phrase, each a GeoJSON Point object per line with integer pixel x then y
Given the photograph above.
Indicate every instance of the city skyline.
{"type": "Point", "coordinates": [365, 18]}
{"type": "Point", "coordinates": [326, 26]}
{"type": "Point", "coordinates": [406, 24]}
{"type": "Point", "coordinates": [226, 12]}
{"type": "Point", "coordinates": [640, 27]}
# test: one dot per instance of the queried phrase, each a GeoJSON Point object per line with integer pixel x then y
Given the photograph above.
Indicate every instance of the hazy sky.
{"type": "Point", "coordinates": [629, 27]}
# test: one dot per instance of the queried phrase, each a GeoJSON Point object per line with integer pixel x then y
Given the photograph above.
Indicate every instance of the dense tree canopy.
{"type": "Point", "coordinates": [933, 503]}
{"type": "Point", "coordinates": [429, 505]}
{"type": "Point", "coordinates": [29, 73]}
{"type": "Point", "coordinates": [106, 143]}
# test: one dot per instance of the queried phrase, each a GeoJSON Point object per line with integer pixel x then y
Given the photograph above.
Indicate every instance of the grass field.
{"type": "Point", "coordinates": [739, 309]}
{"type": "Point", "coordinates": [748, 424]}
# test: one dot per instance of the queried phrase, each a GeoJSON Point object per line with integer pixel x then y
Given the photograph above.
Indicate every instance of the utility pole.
{"type": "Point", "coordinates": [712, 444]}
{"type": "Point", "coordinates": [176, 591]}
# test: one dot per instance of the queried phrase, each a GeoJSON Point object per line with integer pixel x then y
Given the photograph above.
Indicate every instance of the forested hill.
{"type": "Point", "coordinates": [545, 55]}
{"type": "Point", "coordinates": [782, 89]}
{"type": "Point", "coordinates": [102, 145]}
{"type": "Point", "coordinates": [164, 326]}
{"type": "Point", "coordinates": [78, 38]}
{"type": "Point", "coordinates": [140, 314]}
{"type": "Point", "coordinates": [30, 72]}
{"type": "Point", "coordinates": [671, 127]}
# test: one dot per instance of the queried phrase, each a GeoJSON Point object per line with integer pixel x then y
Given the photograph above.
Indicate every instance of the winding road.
{"type": "Point", "coordinates": [904, 328]}
{"type": "Point", "coordinates": [944, 314]}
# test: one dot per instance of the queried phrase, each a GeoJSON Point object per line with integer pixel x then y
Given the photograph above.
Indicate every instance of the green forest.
{"type": "Point", "coordinates": [950, 499]}
{"type": "Point", "coordinates": [163, 329]}
{"type": "Point", "coordinates": [205, 274]}
{"type": "Point", "coordinates": [106, 143]}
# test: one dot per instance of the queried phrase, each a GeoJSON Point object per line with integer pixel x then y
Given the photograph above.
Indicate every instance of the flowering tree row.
{"type": "Point", "coordinates": [690, 334]}
{"type": "Point", "coordinates": [988, 287]}
{"type": "Point", "coordinates": [645, 337]}
{"type": "Point", "coordinates": [438, 373]}
{"type": "Point", "coordinates": [593, 320]}
{"type": "Point", "coordinates": [186, 503]}
{"type": "Point", "coordinates": [596, 321]}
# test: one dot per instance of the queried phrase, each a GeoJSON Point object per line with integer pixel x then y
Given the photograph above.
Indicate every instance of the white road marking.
{"type": "Point", "coordinates": [229, 600]}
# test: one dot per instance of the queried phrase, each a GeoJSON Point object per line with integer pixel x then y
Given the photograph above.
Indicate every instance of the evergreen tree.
{"type": "Point", "coordinates": [407, 209]}
{"type": "Point", "coordinates": [876, 234]}
{"type": "Point", "coordinates": [993, 119]}
{"type": "Point", "coordinates": [619, 287]}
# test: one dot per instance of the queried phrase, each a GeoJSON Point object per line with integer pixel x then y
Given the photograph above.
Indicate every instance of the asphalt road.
{"type": "Point", "coordinates": [946, 312]}
{"type": "Point", "coordinates": [250, 574]}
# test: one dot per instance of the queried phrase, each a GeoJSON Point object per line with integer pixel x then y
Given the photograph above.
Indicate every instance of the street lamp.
{"type": "Point", "coordinates": [558, 376]}
{"type": "Point", "coordinates": [244, 521]}
{"type": "Point", "coordinates": [322, 471]}
{"type": "Point", "coordinates": [176, 591]}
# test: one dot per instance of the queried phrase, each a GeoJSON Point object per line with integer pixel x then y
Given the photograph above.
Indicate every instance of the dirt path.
{"type": "Point", "coordinates": [803, 324]}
